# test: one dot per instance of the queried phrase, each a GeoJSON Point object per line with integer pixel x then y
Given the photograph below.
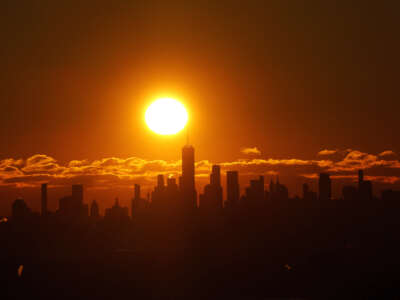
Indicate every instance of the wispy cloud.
{"type": "Point", "coordinates": [387, 153]}
{"type": "Point", "coordinates": [327, 152]}
{"type": "Point", "coordinates": [355, 160]}
{"type": "Point", "coordinates": [250, 150]}
{"type": "Point", "coordinates": [115, 171]}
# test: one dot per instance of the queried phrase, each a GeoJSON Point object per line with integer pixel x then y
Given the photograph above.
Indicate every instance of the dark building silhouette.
{"type": "Point", "coordinates": [364, 187]}
{"type": "Point", "coordinates": [286, 242]}
{"type": "Point", "coordinates": [160, 181]}
{"type": "Point", "coordinates": [255, 192]}
{"type": "Point", "coordinates": [390, 195]}
{"type": "Point", "coordinates": [117, 212]}
{"type": "Point", "coordinates": [94, 209]}
{"type": "Point", "coordinates": [138, 204]}
{"type": "Point", "coordinates": [157, 196]}
{"type": "Point", "coordinates": [306, 190]}
{"type": "Point", "coordinates": [72, 206]}
{"type": "Point", "coordinates": [20, 209]}
{"type": "Point", "coordinates": [188, 182]}
{"type": "Point", "coordinates": [212, 197]}
{"type": "Point", "coordinates": [135, 199]}
{"type": "Point", "coordinates": [215, 176]}
{"type": "Point", "coordinates": [308, 195]}
{"type": "Point", "coordinates": [44, 199]}
{"type": "Point", "coordinates": [172, 194]}
{"type": "Point", "coordinates": [278, 192]}
{"type": "Point", "coordinates": [325, 187]}
{"type": "Point", "coordinates": [350, 193]}
{"type": "Point", "coordinates": [137, 191]}
{"type": "Point", "coordinates": [166, 199]}
{"type": "Point", "coordinates": [232, 188]}
{"type": "Point", "coordinates": [360, 178]}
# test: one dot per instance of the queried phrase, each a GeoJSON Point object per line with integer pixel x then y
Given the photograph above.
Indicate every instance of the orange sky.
{"type": "Point", "coordinates": [290, 79]}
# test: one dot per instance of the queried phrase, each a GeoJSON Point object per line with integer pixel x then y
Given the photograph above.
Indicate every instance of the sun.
{"type": "Point", "coordinates": [166, 116]}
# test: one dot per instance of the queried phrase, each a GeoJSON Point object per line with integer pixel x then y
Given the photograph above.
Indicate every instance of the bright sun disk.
{"type": "Point", "coordinates": [166, 116]}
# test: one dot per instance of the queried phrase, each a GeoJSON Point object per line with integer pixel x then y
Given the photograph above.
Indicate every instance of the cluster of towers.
{"type": "Point", "coordinates": [171, 195]}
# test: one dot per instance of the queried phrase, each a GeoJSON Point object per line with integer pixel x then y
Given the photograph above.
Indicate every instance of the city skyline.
{"type": "Point", "coordinates": [265, 97]}
{"type": "Point", "coordinates": [21, 177]}
{"type": "Point", "coordinates": [213, 197]}
{"type": "Point", "coordinates": [182, 149]}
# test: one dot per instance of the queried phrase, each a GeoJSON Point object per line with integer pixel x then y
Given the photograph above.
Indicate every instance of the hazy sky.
{"type": "Point", "coordinates": [287, 77]}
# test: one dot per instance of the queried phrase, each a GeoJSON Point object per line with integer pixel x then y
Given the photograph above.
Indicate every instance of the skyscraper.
{"type": "Point", "coordinates": [135, 200]}
{"type": "Point", "coordinates": [20, 209]}
{"type": "Point", "coordinates": [255, 192]}
{"type": "Point", "coordinates": [308, 195]}
{"type": "Point", "coordinates": [137, 191]}
{"type": "Point", "coordinates": [73, 205]}
{"type": "Point", "coordinates": [212, 197]}
{"type": "Point", "coordinates": [160, 181]}
{"type": "Point", "coordinates": [360, 177]}
{"type": "Point", "coordinates": [215, 181]}
{"type": "Point", "coordinates": [364, 187]}
{"type": "Point", "coordinates": [94, 209]}
{"type": "Point", "coordinates": [158, 195]}
{"type": "Point", "coordinates": [188, 184]}
{"type": "Point", "coordinates": [232, 187]}
{"type": "Point", "coordinates": [215, 177]}
{"type": "Point", "coordinates": [324, 184]}
{"type": "Point", "coordinates": [44, 199]}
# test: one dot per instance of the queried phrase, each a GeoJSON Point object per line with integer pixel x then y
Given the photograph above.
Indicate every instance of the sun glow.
{"type": "Point", "coordinates": [166, 116]}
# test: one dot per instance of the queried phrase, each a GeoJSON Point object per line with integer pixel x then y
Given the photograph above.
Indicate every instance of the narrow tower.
{"type": "Point", "coordinates": [188, 184]}
{"type": "Point", "coordinates": [44, 199]}
{"type": "Point", "coordinates": [232, 187]}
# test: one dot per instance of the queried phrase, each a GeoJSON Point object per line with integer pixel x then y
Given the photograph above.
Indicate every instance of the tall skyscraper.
{"type": "Point", "coordinates": [160, 181]}
{"type": "Point", "coordinates": [215, 177]}
{"type": "Point", "coordinates": [277, 191]}
{"type": "Point", "coordinates": [324, 184]}
{"type": "Point", "coordinates": [44, 199]}
{"type": "Point", "coordinates": [364, 187]}
{"type": "Point", "coordinates": [188, 184]}
{"type": "Point", "coordinates": [137, 191]}
{"type": "Point", "coordinates": [135, 200]}
{"type": "Point", "coordinates": [305, 190]}
{"type": "Point", "coordinates": [360, 177]}
{"type": "Point", "coordinates": [215, 181]}
{"type": "Point", "coordinates": [73, 205]}
{"type": "Point", "coordinates": [158, 195]}
{"type": "Point", "coordinates": [255, 192]}
{"type": "Point", "coordinates": [212, 197]}
{"type": "Point", "coordinates": [232, 187]}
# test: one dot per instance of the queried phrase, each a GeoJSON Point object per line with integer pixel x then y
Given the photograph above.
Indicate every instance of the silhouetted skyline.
{"type": "Point", "coordinates": [264, 233]}
{"type": "Point", "coordinates": [171, 197]}
{"type": "Point", "coordinates": [289, 185]}
{"type": "Point", "coordinates": [107, 178]}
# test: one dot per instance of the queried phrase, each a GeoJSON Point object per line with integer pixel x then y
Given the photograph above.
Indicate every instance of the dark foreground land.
{"type": "Point", "coordinates": [336, 251]}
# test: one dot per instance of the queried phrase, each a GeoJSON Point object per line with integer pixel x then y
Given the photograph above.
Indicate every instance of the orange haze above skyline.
{"type": "Point", "coordinates": [270, 89]}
